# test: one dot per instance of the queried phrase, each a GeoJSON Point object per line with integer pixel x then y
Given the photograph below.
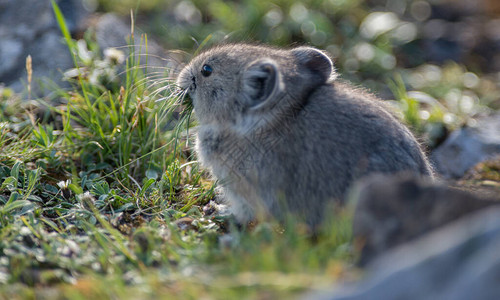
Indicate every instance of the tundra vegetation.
{"type": "Point", "coordinates": [100, 196]}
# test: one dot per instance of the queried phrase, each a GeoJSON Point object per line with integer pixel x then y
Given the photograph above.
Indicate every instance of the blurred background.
{"type": "Point", "coordinates": [369, 39]}
{"type": "Point", "coordinates": [440, 59]}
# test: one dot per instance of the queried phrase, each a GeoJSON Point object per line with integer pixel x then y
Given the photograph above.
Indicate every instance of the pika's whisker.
{"type": "Point", "coordinates": [146, 67]}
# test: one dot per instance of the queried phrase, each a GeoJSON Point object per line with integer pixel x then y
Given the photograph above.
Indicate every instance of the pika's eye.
{"type": "Point", "coordinates": [206, 70]}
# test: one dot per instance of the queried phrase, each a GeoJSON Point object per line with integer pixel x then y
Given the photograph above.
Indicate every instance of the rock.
{"type": "Point", "coordinates": [460, 261]}
{"type": "Point", "coordinates": [392, 210]}
{"type": "Point", "coordinates": [28, 27]}
{"type": "Point", "coordinates": [468, 146]}
{"type": "Point", "coordinates": [37, 34]}
{"type": "Point", "coordinates": [113, 32]}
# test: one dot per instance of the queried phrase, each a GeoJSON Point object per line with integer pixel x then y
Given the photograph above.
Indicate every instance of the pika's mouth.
{"type": "Point", "coordinates": [186, 83]}
{"type": "Point", "coordinates": [187, 100]}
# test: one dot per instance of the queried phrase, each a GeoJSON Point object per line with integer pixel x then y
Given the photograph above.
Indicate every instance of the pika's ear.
{"type": "Point", "coordinates": [316, 61]}
{"type": "Point", "coordinates": [261, 82]}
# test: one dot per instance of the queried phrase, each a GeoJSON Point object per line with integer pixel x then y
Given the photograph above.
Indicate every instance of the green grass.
{"type": "Point", "coordinates": [94, 193]}
{"type": "Point", "coordinates": [99, 194]}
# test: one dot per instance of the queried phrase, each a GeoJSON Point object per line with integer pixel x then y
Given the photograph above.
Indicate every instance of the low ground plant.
{"type": "Point", "coordinates": [100, 197]}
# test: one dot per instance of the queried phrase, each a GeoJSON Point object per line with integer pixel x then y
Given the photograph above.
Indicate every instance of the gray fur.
{"type": "Point", "coordinates": [282, 135]}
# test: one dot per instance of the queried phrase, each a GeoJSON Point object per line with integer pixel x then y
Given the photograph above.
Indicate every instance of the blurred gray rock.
{"type": "Point", "coordinates": [112, 32]}
{"type": "Point", "coordinates": [468, 146]}
{"type": "Point", "coordinates": [392, 210]}
{"type": "Point", "coordinates": [28, 27]}
{"type": "Point", "coordinates": [458, 262]}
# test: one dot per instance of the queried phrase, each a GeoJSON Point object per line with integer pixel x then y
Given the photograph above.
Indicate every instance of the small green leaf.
{"type": "Point", "coordinates": [75, 189]}
{"type": "Point", "coordinates": [34, 198]}
{"type": "Point", "coordinates": [11, 206]}
{"type": "Point", "coordinates": [15, 170]}
{"type": "Point", "coordinates": [52, 189]}
{"type": "Point", "coordinates": [146, 185]}
{"type": "Point", "coordinates": [10, 183]}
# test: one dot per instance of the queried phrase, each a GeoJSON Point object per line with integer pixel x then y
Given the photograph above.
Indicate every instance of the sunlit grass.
{"type": "Point", "coordinates": [102, 200]}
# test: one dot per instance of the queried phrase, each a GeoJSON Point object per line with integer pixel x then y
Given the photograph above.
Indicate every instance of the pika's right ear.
{"type": "Point", "coordinates": [261, 82]}
{"type": "Point", "coordinates": [316, 61]}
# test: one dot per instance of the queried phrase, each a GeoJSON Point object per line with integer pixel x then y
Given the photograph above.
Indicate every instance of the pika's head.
{"type": "Point", "coordinates": [230, 83]}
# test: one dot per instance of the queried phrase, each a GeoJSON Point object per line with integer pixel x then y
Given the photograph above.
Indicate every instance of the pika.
{"type": "Point", "coordinates": [284, 136]}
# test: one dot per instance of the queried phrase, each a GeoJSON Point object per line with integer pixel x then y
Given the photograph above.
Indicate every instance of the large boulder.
{"type": "Point", "coordinates": [392, 210]}
{"type": "Point", "coordinates": [468, 146]}
{"type": "Point", "coordinates": [460, 261]}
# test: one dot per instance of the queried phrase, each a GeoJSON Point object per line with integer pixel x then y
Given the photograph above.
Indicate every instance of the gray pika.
{"type": "Point", "coordinates": [283, 135]}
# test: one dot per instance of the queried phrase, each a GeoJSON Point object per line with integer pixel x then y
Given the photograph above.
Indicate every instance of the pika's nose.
{"type": "Point", "coordinates": [193, 83]}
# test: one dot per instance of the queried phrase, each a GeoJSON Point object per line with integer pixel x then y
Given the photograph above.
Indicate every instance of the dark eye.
{"type": "Point", "coordinates": [206, 70]}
